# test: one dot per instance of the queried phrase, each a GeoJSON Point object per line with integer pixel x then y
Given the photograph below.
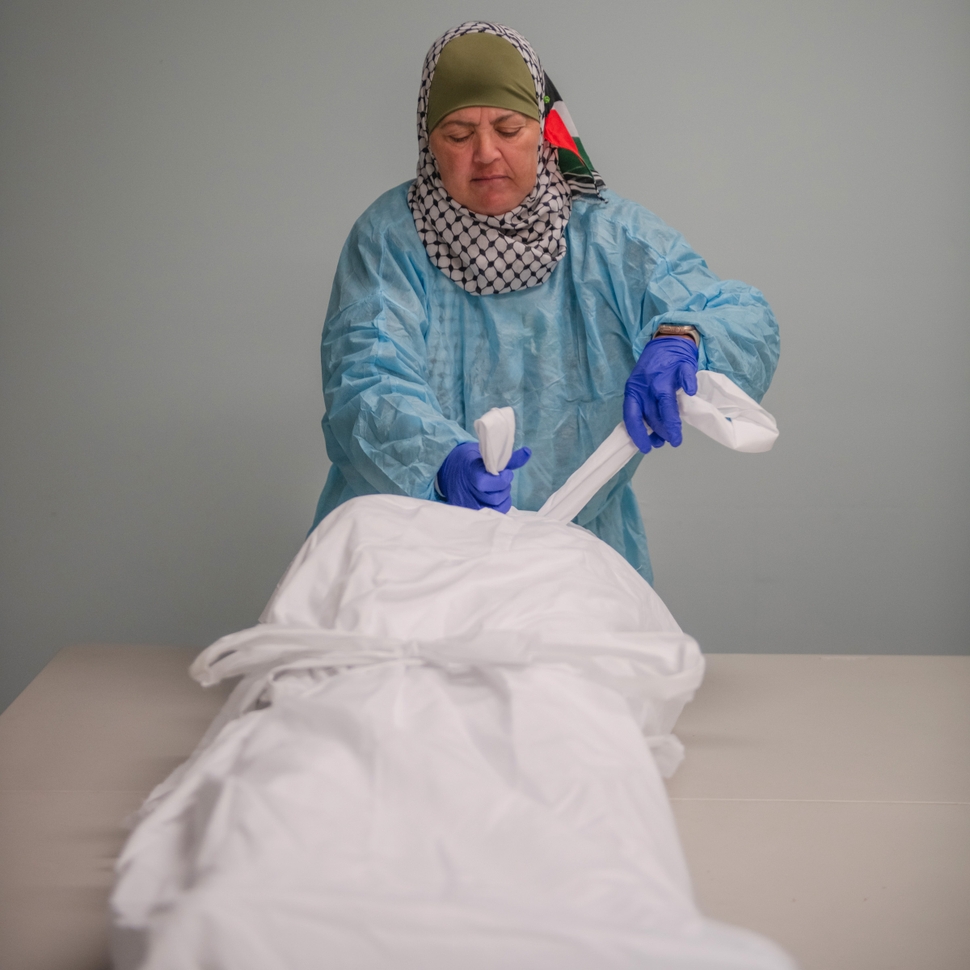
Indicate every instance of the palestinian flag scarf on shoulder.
{"type": "Point", "coordinates": [519, 249]}
{"type": "Point", "coordinates": [560, 131]}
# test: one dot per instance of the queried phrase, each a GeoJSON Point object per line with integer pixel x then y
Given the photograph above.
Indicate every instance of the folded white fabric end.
{"type": "Point", "coordinates": [720, 409]}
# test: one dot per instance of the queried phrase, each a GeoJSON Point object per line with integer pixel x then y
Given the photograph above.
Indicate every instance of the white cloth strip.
{"type": "Point", "coordinates": [720, 409]}
{"type": "Point", "coordinates": [496, 436]}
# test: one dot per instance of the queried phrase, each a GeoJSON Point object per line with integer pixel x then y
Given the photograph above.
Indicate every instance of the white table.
{"type": "Point", "coordinates": [825, 801]}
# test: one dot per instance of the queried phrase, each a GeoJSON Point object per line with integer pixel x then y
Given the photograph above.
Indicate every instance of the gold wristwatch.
{"type": "Point", "coordinates": [676, 330]}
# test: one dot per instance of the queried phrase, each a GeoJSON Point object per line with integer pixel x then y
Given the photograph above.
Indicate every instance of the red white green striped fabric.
{"type": "Point", "coordinates": [560, 131]}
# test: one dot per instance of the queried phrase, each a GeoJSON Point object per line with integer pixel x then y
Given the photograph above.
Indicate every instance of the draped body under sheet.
{"type": "Point", "coordinates": [435, 757]}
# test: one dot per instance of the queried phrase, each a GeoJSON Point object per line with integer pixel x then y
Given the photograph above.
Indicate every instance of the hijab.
{"type": "Point", "coordinates": [518, 249]}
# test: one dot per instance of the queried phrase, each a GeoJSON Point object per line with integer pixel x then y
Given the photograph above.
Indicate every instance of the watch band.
{"type": "Point", "coordinates": [678, 330]}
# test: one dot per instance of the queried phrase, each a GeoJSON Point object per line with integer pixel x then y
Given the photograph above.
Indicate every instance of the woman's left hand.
{"type": "Point", "coordinates": [666, 365]}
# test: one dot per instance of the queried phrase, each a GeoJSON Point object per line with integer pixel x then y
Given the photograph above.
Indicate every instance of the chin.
{"type": "Point", "coordinates": [493, 204]}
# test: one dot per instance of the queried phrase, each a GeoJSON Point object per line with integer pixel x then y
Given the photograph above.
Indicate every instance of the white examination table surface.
{"type": "Point", "coordinates": [824, 801]}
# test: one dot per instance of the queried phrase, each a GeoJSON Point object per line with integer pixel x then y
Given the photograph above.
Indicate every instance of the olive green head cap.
{"type": "Point", "coordinates": [480, 70]}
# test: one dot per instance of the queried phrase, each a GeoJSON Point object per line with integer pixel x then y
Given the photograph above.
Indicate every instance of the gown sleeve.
{"type": "Point", "coordinates": [384, 426]}
{"type": "Point", "coordinates": [738, 330]}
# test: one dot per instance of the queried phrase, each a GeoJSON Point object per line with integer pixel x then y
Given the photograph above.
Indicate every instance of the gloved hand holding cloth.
{"type": "Point", "coordinates": [463, 479]}
{"type": "Point", "coordinates": [667, 364]}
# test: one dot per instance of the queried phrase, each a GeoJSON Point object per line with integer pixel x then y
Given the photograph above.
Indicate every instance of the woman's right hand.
{"type": "Point", "coordinates": [463, 479]}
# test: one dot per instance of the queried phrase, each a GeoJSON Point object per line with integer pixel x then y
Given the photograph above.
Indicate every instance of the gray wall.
{"type": "Point", "coordinates": [178, 177]}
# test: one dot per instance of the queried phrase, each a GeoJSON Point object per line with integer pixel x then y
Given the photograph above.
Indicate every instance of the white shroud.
{"type": "Point", "coordinates": [435, 758]}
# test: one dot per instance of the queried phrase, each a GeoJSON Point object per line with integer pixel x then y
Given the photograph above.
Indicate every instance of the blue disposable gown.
{"type": "Point", "coordinates": [410, 360]}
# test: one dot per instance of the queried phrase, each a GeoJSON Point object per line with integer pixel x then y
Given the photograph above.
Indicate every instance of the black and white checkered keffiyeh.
{"type": "Point", "coordinates": [490, 254]}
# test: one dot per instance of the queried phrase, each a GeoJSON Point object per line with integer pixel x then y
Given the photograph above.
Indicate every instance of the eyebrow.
{"type": "Point", "coordinates": [470, 124]}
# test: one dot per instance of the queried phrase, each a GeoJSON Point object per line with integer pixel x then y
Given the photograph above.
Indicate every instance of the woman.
{"type": "Point", "coordinates": [506, 274]}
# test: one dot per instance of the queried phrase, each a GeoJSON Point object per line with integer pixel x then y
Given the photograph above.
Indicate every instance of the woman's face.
{"type": "Point", "coordinates": [487, 157]}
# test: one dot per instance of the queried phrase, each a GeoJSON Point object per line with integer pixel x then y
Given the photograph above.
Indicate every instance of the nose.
{"type": "Point", "coordinates": [486, 147]}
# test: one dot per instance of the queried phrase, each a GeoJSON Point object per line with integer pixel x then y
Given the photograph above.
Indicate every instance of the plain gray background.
{"type": "Point", "coordinates": [178, 178]}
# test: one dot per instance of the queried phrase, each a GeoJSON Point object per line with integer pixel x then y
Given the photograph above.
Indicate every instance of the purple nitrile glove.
{"type": "Point", "coordinates": [464, 480]}
{"type": "Point", "coordinates": [666, 364]}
